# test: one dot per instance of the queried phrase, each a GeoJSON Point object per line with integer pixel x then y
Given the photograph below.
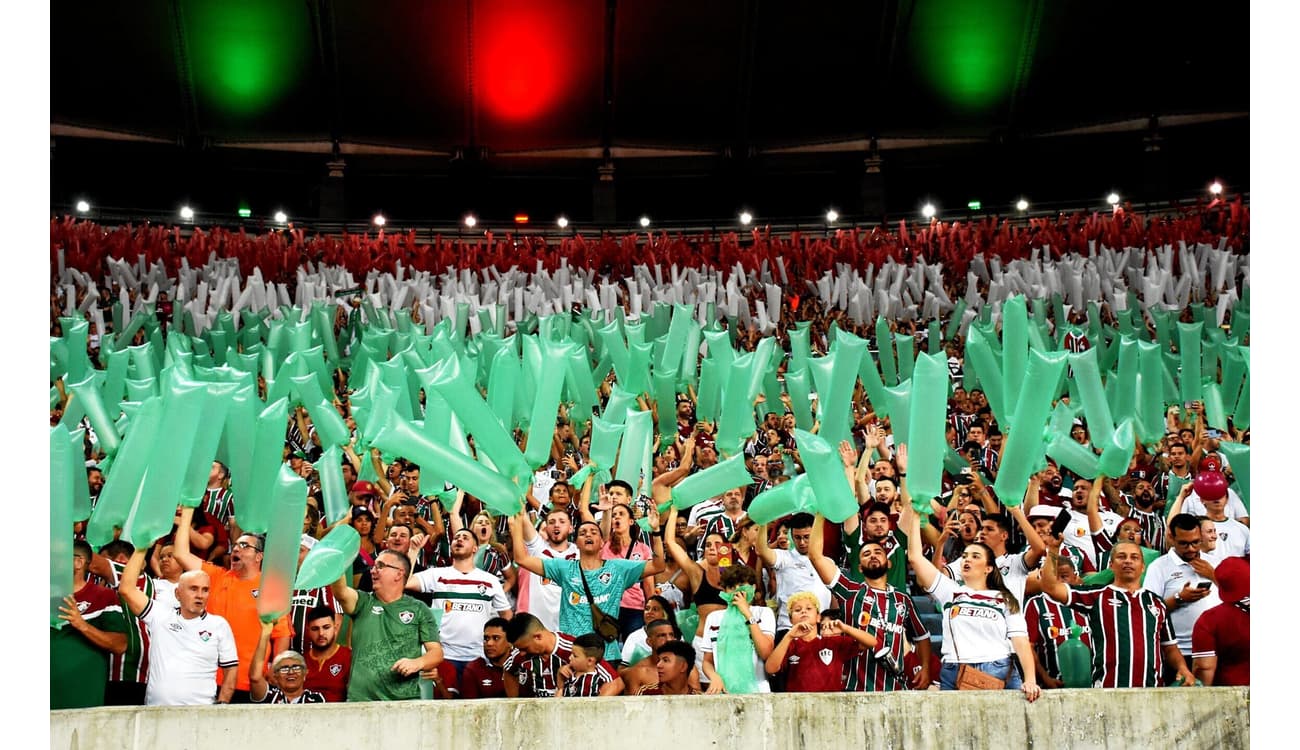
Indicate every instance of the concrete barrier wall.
{"type": "Point", "coordinates": [1194, 718]}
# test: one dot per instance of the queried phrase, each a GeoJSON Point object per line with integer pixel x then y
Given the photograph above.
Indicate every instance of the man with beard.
{"type": "Point", "coordinates": [538, 595]}
{"type": "Point", "coordinates": [1183, 578]}
{"type": "Point", "coordinates": [468, 598]}
{"type": "Point", "coordinates": [605, 579]}
{"type": "Point", "coordinates": [234, 596]}
{"type": "Point", "coordinates": [1143, 510]}
{"type": "Point", "coordinates": [329, 665]}
{"type": "Point", "coordinates": [876, 606]}
{"type": "Point", "coordinates": [877, 528]}
{"type": "Point", "coordinates": [674, 670]}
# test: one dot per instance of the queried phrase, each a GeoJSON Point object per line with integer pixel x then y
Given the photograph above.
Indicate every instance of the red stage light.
{"type": "Point", "coordinates": [521, 218]}
{"type": "Point", "coordinates": [520, 59]}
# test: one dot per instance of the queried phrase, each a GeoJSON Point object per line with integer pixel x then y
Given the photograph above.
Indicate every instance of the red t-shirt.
{"type": "Point", "coordinates": [330, 677]}
{"type": "Point", "coordinates": [1224, 633]}
{"type": "Point", "coordinates": [482, 680]}
{"type": "Point", "coordinates": [817, 666]}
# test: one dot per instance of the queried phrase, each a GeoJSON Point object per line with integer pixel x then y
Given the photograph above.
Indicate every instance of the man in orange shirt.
{"type": "Point", "coordinates": [234, 597]}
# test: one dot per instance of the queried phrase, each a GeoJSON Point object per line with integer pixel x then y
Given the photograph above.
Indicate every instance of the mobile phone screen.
{"type": "Point", "coordinates": [1061, 522]}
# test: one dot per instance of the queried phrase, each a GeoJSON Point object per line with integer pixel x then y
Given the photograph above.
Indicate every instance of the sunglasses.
{"type": "Point", "coordinates": [246, 545]}
{"type": "Point", "coordinates": [381, 565]}
{"type": "Point", "coordinates": [292, 669]}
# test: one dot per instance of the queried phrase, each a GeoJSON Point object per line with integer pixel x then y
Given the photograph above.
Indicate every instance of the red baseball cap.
{"type": "Point", "coordinates": [365, 488]}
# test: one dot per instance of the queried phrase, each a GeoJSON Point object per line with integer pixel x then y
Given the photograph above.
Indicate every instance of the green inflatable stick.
{"type": "Point", "coordinates": [1214, 414]}
{"type": "Point", "coordinates": [237, 438]}
{"type": "Point", "coordinates": [101, 420]}
{"type": "Point", "coordinates": [1239, 461]}
{"type": "Point", "coordinates": [1015, 348]}
{"type": "Point", "coordinates": [1241, 412]}
{"type": "Point", "coordinates": [503, 383]}
{"type": "Point", "coordinates": [76, 331]}
{"type": "Point", "coordinates": [1023, 445]}
{"type": "Point", "coordinates": [124, 482]}
{"type": "Point", "coordinates": [666, 404]}
{"type": "Point", "coordinates": [455, 385]}
{"type": "Point", "coordinates": [794, 496]}
{"type": "Point", "coordinates": [1073, 455]}
{"type": "Point", "coordinates": [618, 404]}
{"type": "Point", "coordinates": [925, 430]}
{"type": "Point", "coordinates": [1234, 370]}
{"type": "Point", "coordinates": [1150, 423]}
{"type": "Point", "coordinates": [330, 559]}
{"type": "Point", "coordinates": [398, 437]}
{"type": "Point", "coordinates": [677, 330]}
{"type": "Point", "coordinates": [825, 470]}
{"type": "Point", "coordinates": [213, 408]}
{"type": "Point", "coordinates": [800, 351]}
{"type": "Point", "coordinates": [63, 465]}
{"type": "Point", "coordinates": [688, 368]}
{"type": "Point", "coordinates": [333, 490]}
{"type": "Point", "coordinates": [953, 462]}
{"type": "Point", "coordinates": [885, 344]}
{"type": "Point", "coordinates": [639, 354]}
{"type": "Point", "coordinates": [906, 346]}
{"type": "Point", "coordinates": [1117, 454]}
{"type": "Point", "coordinates": [634, 460]}
{"type": "Point", "coordinates": [835, 395]}
{"type": "Point", "coordinates": [283, 543]}
{"type": "Point", "coordinates": [934, 345]}
{"type": "Point", "coordinates": [737, 421]}
{"type": "Point", "coordinates": [1189, 352]}
{"type": "Point", "coordinates": [545, 406]}
{"type": "Point", "coordinates": [711, 482]}
{"type": "Point", "coordinates": [583, 388]}
{"type": "Point", "coordinates": [268, 449]}
{"type": "Point", "coordinates": [1092, 395]}
{"type": "Point", "coordinates": [605, 437]}
{"type": "Point", "coordinates": [980, 357]}
{"type": "Point", "coordinates": [709, 395]}
{"type": "Point", "coordinates": [80, 487]}
{"type": "Point", "coordinates": [1126, 397]}
{"type": "Point", "coordinates": [796, 384]}
{"type": "Point", "coordinates": [617, 350]}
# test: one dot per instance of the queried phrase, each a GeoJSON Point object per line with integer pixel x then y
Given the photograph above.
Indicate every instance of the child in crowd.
{"type": "Point", "coordinates": [581, 677]}
{"type": "Point", "coordinates": [813, 662]}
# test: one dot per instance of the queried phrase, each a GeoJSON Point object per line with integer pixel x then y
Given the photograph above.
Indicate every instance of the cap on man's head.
{"type": "Point", "coordinates": [1043, 511]}
{"type": "Point", "coordinates": [365, 488]}
{"type": "Point", "coordinates": [361, 510]}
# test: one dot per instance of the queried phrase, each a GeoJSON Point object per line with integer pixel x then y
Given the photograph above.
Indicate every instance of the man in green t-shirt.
{"type": "Point", "coordinates": [79, 650]}
{"type": "Point", "coordinates": [394, 637]}
{"type": "Point", "coordinates": [875, 527]}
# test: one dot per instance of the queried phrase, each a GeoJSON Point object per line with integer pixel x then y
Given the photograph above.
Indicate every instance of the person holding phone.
{"type": "Point", "coordinates": [1184, 578]}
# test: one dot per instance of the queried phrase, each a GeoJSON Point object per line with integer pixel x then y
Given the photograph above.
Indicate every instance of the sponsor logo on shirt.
{"type": "Point", "coordinates": [406, 616]}
{"type": "Point", "coordinates": [794, 659]}
{"type": "Point", "coordinates": [175, 627]}
{"type": "Point", "coordinates": [450, 606]}
{"type": "Point", "coordinates": [982, 612]}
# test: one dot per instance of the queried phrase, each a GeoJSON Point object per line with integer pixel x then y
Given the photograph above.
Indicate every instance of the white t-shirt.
{"type": "Point", "coordinates": [635, 640]}
{"type": "Point", "coordinates": [164, 594]}
{"type": "Point", "coordinates": [538, 596]}
{"type": "Point", "coordinates": [1166, 576]}
{"type": "Point", "coordinates": [1234, 539]}
{"type": "Point", "coordinates": [467, 600]}
{"type": "Point", "coordinates": [184, 656]}
{"type": "Point", "coordinates": [978, 619]}
{"type": "Point", "coordinates": [1079, 532]}
{"type": "Point", "coordinates": [766, 624]}
{"type": "Point", "coordinates": [795, 573]}
{"type": "Point", "coordinates": [1013, 569]}
{"type": "Point", "coordinates": [1234, 509]}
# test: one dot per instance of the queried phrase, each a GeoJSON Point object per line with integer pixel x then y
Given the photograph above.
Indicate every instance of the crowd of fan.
{"type": "Point", "coordinates": [592, 591]}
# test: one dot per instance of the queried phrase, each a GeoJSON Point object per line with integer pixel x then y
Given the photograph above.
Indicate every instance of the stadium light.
{"type": "Point", "coordinates": [1022, 205]}
{"type": "Point", "coordinates": [645, 221]}
{"type": "Point", "coordinates": [281, 217]}
{"type": "Point", "coordinates": [745, 218]}
{"type": "Point", "coordinates": [1113, 199]}
{"type": "Point", "coordinates": [380, 220]}
{"type": "Point", "coordinates": [928, 210]}
{"type": "Point", "coordinates": [832, 216]}
{"type": "Point", "coordinates": [562, 222]}
{"type": "Point", "coordinates": [187, 213]}
{"type": "Point", "coordinates": [82, 206]}
{"type": "Point", "coordinates": [470, 221]}
{"type": "Point", "coordinates": [1216, 188]}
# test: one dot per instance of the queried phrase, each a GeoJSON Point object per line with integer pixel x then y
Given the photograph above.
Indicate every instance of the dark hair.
{"type": "Point", "coordinates": [834, 613]}
{"type": "Point", "coordinates": [522, 624]}
{"type": "Point", "coordinates": [680, 649]}
{"type": "Point", "coordinates": [1001, 520]}
{"type": "Point", "coordinates": [669, 610]}
{"type": "Point", "coordinates": [1179, 444]}
{"type": "Point", "coordinates": [800, 521]}
{"type": "Point", "coordinates": [877, 507]}
{"type": "Point", "coordinates": [994, 580]}
{"type": "Point", "coordinates": [620, 483]}
{"type": "Point", "coordinates": [81, 547]}
{"type": "Point", "coordinates": [561, 483]}
{"type": "Point", "coordinates": [319, 611]}
{"type": "Point", "coordinates": [591, 644]}
{"type": "Point", "coordinates": [497, 622]}
{"type": "Point", "coordinates": [117, 547]}
{"type": "Point", "coordinates": [737, 575]}
{"type": "Point", "coordinates": [409, 530]}
{"type": "Point", "coordinates": [1185, 522]}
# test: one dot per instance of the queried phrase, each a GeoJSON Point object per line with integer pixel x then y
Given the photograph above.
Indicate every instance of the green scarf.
{"type": "Point", "coordinates": [734, 655]}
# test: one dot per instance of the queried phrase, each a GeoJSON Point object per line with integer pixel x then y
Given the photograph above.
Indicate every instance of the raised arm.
{"type": "Point", "coordinates": [381, 473]}
{"type": "Point", "coordinates": [1048, 580]}
{"type": "Point", "coordinates": [1093, 506]}
{"type": "Point", "coordinates": [135, 599]}
{"type": "Point", "coordinates": [693, 570]}
{"type": "Point", "coordinates": [826, 568]}
{"type": "Point", "coordinates": [765, 551]}
{"type": "Point", "coordinates": [181, 549]}
{"type": "Point", "coordinates": [522, 558]}
{"type": "Point", "coordinates": [257, 685]}
{"type": "Point", "coordinates": [345, 594]}
{"type": "Point", "coordinates": [454, 519]}
{"type": "Point", "coordinates": [1034, 552]}
{"type": "Point", "coordinates": [925, 570]}
{"type": "Point", "coordinates": [656, 565]}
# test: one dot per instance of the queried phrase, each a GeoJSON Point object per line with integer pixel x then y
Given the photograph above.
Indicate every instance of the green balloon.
{"type": "Point", "coordinates": [822, 464]}
{"type": "Point", "coordinates": [928, 418]}
{"type": "Point", "coordinates": [1023, 447]}
{"type": "Point", "coordinates": [63, 466]}
{"type": "Point", "coordinates": [1189, 351]}
{"type": "Point", "coordinates": [711, 482]}
{"type": "Point", "coordinates": [1117, 454]}
{"type": "Point", "coordinates": [330, 559]}
{"type": "Point", "coordinates": [794, 496]}
{"type": "Point", "coordinates": [1239, 461]}
{"type": "Point", "coordinates": [283, 543]}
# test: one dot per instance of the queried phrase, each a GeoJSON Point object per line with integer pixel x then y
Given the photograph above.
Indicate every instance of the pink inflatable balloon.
{"type": "Point", "coordinates": [1210, 485]}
